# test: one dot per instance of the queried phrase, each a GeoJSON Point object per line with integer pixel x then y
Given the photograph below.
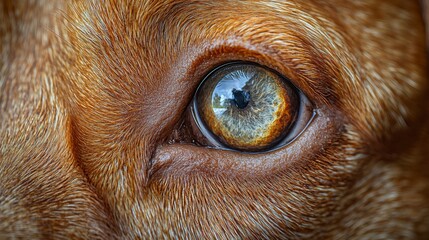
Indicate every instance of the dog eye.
{"type": "Point", "coordinates": [248, 107]}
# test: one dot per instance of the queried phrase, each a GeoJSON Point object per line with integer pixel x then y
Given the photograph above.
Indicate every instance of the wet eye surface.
{"type": "Point", "coordinates": [247, 107]}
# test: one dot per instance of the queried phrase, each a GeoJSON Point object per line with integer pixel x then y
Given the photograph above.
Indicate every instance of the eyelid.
{"type": "Point", "coordinates": [195, 159]}
{"type": "Point", "coordinates": [304, 66]}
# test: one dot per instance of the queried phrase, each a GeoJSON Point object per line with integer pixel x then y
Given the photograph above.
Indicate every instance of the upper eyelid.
{"type": "Point", "coordinates": [312, 81]}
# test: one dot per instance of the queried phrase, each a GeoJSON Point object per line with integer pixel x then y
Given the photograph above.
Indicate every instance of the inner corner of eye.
{"type": "Point", "coordinates": [246, 107]}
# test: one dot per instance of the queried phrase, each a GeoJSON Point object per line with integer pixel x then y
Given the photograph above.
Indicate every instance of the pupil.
{"type": "Point", "coordinates": [241, 98]}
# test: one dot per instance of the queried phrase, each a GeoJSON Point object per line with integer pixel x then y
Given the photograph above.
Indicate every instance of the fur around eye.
{"type": "Point", "coordinates": [246, 107]}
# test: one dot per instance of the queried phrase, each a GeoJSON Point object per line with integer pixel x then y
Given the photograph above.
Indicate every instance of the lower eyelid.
{"type": "Point", "coordinates": [188, 159]}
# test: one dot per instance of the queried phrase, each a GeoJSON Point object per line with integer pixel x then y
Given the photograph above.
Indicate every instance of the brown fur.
{"type": "Point", "coordinates": [90, 93]}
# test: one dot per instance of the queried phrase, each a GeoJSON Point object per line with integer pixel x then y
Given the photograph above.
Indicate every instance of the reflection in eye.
{"type": "Point", "coordinates": [246, 107]}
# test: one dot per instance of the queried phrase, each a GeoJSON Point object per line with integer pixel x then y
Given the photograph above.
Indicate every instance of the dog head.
{"type": "Point", "coordinates": [99, 136]}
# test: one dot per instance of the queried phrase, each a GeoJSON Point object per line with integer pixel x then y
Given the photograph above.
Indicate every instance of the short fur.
{"type": "Point", "coordinates": [90, 92]}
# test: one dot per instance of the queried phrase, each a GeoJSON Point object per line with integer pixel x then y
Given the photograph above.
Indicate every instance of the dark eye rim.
{"type": "Point", "coordinates": [298, 127]}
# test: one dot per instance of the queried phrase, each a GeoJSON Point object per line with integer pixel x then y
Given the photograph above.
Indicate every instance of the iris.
{"type": "Point", "coordinates": [246, 106]}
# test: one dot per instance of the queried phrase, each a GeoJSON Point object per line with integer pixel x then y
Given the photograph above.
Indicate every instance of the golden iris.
{"type": "Point", "coordinates": [246, 106]}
